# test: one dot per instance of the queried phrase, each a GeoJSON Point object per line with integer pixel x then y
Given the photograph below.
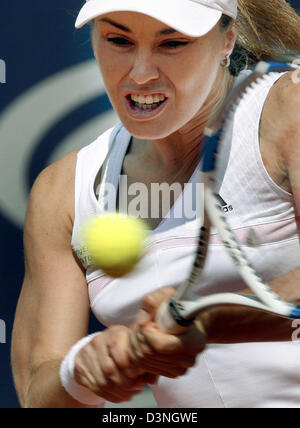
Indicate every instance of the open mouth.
{"type": "Point", "coordinates": [151, 105]}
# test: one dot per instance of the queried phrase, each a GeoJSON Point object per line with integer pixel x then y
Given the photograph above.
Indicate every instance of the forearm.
{"type": "Point", "coordinates": [238, 324]}
{"type": "Point", "coordinates": [241, 325]}
{"type": "Point", "coordinates": [46, 391]}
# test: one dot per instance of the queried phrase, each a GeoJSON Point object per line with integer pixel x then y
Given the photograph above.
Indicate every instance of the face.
{"type": "Point", "coordinates": [157, 79]}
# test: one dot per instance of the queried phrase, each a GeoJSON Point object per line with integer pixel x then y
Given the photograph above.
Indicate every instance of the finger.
{"type": "Point", "coordinates": [143, 352]}
{"type": "Point", "coordinates": [83, 377]}
{"type": "Point", "coordinates": [119, 346]}
{"type": "Point", "coordinates": [115, 396]}
{"type": "Point", "coordinates": [84, 372]}
{"type": "Point", "coordinates": [133, 372]}
{"type": "Point", "coordinates": [119, 349]}
{"type": "Point", "coordinates": [152, 301]}
{"type": "Point", "coordinates": [120, 378]}
{"type": "Point", "coordinates": [191, 342]}
{"type": "Point", "coordinates": [123, 349]}
{"type": "Point", "coordinates": [165, 364]}
{"type": "Point", "coordinates": [157, 366]}
{"type": "Point", "coordinates": [148, 358]}
{"type": "Point", "coordinates": [102, 365]}
{"type": "Point", "coordinates": [138, 345]}
{"type": "Point", "coordinates": [116, 387]}
{"type": "Point", "coordinates": [120, 390]}
{"type": "Point", "coordinates": [127, 363]}
{"type": "Point", "coordinates": [159, 341]}
{"type": "Point", "coordinates": [97, 371]}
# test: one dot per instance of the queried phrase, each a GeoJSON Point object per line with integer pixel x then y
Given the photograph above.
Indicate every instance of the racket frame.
{"type": "Point", "coordinates": [180, 311]}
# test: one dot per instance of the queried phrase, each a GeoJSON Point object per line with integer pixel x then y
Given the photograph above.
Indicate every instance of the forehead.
{"type": "Point", "coordinates": [134, 22]}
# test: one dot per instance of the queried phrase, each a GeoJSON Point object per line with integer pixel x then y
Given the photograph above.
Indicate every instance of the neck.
{"type": "Point", "coordinates": [178, 154]}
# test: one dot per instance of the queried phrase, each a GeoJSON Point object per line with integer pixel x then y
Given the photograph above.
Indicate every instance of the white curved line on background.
{"type": "Point", "coordinates": [87, 133]}
{"type": "Point", "coordinates": [29, 117]}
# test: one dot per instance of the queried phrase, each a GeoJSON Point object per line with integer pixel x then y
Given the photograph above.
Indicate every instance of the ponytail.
{"type": "Point", "coordinates": [265, 29]}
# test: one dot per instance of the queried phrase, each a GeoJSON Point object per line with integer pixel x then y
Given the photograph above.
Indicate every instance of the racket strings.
{"type": "Point", "coordinates": [253, 241]}
{"type": "Point", "coordinates": [210, 180]}
{"type": "Point", "coordinates": [255, 282]}
{"type": "Point", "coordinates": [219, 132]}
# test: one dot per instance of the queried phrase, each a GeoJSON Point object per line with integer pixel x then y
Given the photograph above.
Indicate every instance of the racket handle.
{"type": "Point", "coordinates": [166, 322]}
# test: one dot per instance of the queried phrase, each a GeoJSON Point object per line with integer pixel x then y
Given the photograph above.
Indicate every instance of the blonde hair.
{"type": "Point", "coordinates": [265, 29]}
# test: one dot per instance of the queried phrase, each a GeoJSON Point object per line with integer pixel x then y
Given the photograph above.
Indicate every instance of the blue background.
{"type": "Point", "coordinates": [37, 40]}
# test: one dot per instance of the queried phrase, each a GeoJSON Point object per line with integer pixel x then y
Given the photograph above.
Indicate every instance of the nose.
{"type": "Point", "coordinates": [144, 71]}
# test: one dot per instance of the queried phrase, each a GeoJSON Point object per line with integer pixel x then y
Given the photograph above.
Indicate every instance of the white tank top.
{"type": "Point", "coordinates": [230, 376]}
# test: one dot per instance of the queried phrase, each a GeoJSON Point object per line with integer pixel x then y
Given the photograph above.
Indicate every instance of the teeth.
{"type": "Point", "coordinates": [149, 99]}
{"type": "Point", "coordinates": [146, 106]}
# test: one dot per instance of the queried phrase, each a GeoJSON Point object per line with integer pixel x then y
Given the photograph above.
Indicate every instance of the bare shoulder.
{"type": "Point", "coordinates": [53, 193]}
{"type": "Point", "coordinates": [287, 103]}
{"type": "Point", "coordinates": [281, 118]}
{"type": "Point", "coordinates": [280, 128]}
{"type": "Point", "coordinates": [287, 89]}
{"type": "Point", "coordinates": [284, 95]}
{"type": "Point", "coordinates": [61, 171]}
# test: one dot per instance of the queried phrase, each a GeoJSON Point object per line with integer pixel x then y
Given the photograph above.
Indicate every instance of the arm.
{"type": "Point", "coordinates": [53, 308]}
{"type": "Point", "coordinates": [163, 354]}
{"type": "Point", "coordinates": [281, 123]}
{"type": "Point", "coordinates": [237, 324]}
{"type": "Point", "coordinates": [283, 110]}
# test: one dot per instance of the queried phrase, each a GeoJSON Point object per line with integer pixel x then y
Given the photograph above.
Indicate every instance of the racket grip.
{"type": "Point", "coordinates": [166, 322]}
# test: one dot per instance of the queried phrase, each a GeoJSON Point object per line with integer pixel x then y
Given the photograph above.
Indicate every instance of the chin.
{"type": "Point", "coordinates": [144, 135]}
{"type": "Point", "coordinates": [149, 131]}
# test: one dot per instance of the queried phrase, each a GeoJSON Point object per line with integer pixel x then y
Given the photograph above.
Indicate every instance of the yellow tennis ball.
{"type": "Point", "coordinates": [115, 242]}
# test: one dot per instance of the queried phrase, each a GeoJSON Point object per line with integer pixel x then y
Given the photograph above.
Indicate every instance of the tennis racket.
{"type": "Point", "coordinates": [181, 310]}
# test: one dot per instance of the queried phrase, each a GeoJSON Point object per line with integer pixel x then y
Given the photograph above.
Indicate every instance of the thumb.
{"type": "Point", "coordinates": [151, 303]}
{"type": "Point", "coordinates": [143, 317]}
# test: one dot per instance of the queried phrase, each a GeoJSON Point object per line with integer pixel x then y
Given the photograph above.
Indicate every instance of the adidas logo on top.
{"type": "Point", "coordinates": [225, 207]}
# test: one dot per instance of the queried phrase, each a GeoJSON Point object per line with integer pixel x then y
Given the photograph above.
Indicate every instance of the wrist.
{"type": "Point", "coordinates": [66, 372]}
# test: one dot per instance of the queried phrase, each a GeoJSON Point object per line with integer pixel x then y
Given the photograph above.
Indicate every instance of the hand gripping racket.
{"type": "Point", "coordinates": [181, 310]}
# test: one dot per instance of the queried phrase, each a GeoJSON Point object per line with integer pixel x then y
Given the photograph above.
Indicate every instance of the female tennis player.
{"type": "Point", "coordinates": [166, 65]}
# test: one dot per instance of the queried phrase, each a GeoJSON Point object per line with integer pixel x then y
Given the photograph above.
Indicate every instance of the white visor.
{"type": "Point", "coordinates": [194, 18]}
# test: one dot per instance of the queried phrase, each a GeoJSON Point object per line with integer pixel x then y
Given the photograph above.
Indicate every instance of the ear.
{"type": "Point", "coordinates": [230, 36]}
{"type": "Point", "coordinates": [93, 38]}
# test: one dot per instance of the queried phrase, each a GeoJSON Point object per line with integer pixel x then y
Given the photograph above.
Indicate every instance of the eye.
{"type": "Point", "coordinates": [119, 41]}
{"type": "Point", "coordinates": [174, 44]}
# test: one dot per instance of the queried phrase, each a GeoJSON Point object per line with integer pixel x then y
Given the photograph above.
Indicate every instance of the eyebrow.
{"type": "Point", "coordinates": [163, 32]}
